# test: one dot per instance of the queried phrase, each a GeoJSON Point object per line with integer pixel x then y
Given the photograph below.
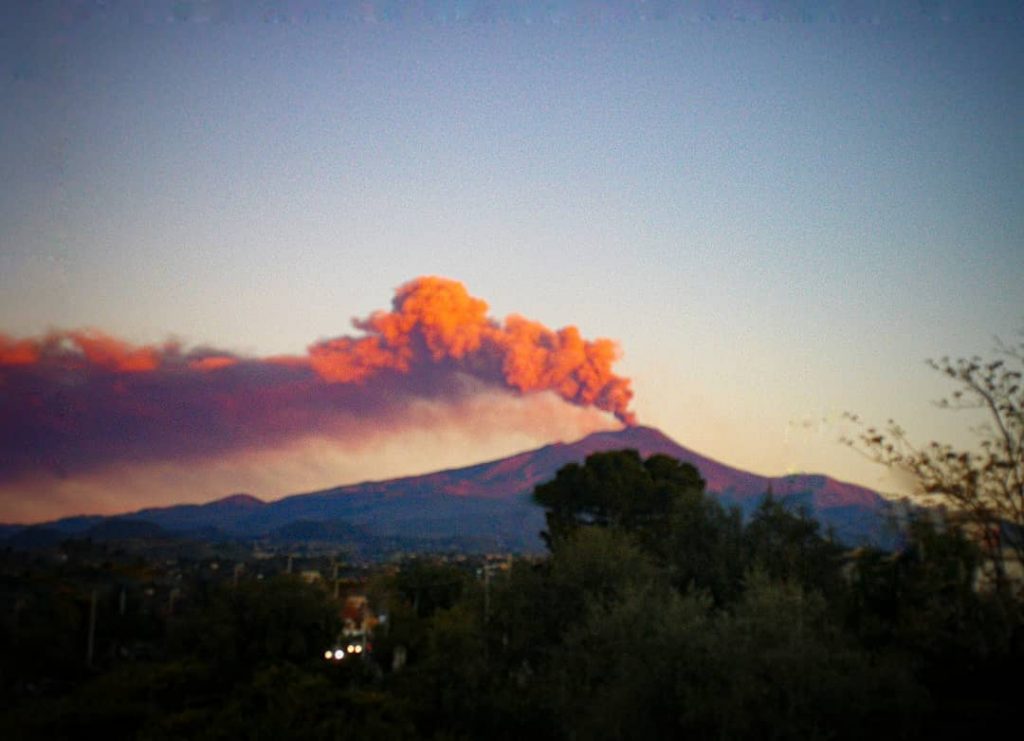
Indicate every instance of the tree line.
{"type": "Point", "coordinates": [657, 613]}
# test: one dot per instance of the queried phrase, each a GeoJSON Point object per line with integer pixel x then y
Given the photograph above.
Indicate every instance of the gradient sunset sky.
{"type": "Point", "coordinates": [777, 210]}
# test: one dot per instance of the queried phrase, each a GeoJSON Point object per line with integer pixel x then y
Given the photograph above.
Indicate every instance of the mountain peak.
{"type": "Point", "coordinates": [237, 500]}
{"type": "Point", "coordinates": [647, 441]}
{"type": "Point", "coordinates": [635, 434]}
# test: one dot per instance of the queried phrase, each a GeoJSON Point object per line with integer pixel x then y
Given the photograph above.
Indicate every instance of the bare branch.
{"type": "Point", "coordinates": [986, 486]}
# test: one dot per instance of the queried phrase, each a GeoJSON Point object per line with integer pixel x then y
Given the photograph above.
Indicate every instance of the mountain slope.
{"type": "Point", "coordinates": [488, 504]}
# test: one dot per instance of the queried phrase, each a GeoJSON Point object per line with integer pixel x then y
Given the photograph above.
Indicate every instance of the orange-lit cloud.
{"type": "Point", "coordinates": [18, 352]}
{"type": "Point", "coordinates": [436, 321]}
{"type": "Point", "coordinates": [77, 402]}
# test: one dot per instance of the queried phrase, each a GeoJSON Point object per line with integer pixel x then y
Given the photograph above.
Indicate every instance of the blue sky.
{"type": "Point", "coordinates": [777, 220]}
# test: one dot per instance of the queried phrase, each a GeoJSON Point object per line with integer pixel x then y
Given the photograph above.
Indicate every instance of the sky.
{"type": "Point", "coordinates": [775, 212]}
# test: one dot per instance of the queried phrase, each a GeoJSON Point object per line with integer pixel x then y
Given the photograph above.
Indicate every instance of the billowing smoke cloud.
{"type": "Point", "coordinates": [76, 401]}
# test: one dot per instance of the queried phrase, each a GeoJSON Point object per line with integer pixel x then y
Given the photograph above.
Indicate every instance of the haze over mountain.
{"type": "Point", "coordinates": [481, 507]}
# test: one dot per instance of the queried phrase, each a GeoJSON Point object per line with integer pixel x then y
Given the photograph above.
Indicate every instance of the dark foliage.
{"type": "Point", "coordinates": [657, 614]}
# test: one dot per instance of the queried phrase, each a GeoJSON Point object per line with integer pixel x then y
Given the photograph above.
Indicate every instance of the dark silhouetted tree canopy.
{"type": "Point", "coordinates": [617, 490]}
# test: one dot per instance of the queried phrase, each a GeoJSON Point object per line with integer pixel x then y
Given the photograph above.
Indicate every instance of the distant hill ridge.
{"type": "Point", "coordinates": [488, 504]}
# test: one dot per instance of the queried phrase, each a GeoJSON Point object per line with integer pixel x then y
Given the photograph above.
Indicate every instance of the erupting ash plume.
{"type": "Point", "coordinates": [435, 321]}
{"type": "Point", "coordinates": [78, 400]}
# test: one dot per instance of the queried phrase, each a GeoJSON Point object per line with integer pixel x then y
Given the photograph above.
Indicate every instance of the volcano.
{"type": "Point", "coordinates": [487, 507]}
